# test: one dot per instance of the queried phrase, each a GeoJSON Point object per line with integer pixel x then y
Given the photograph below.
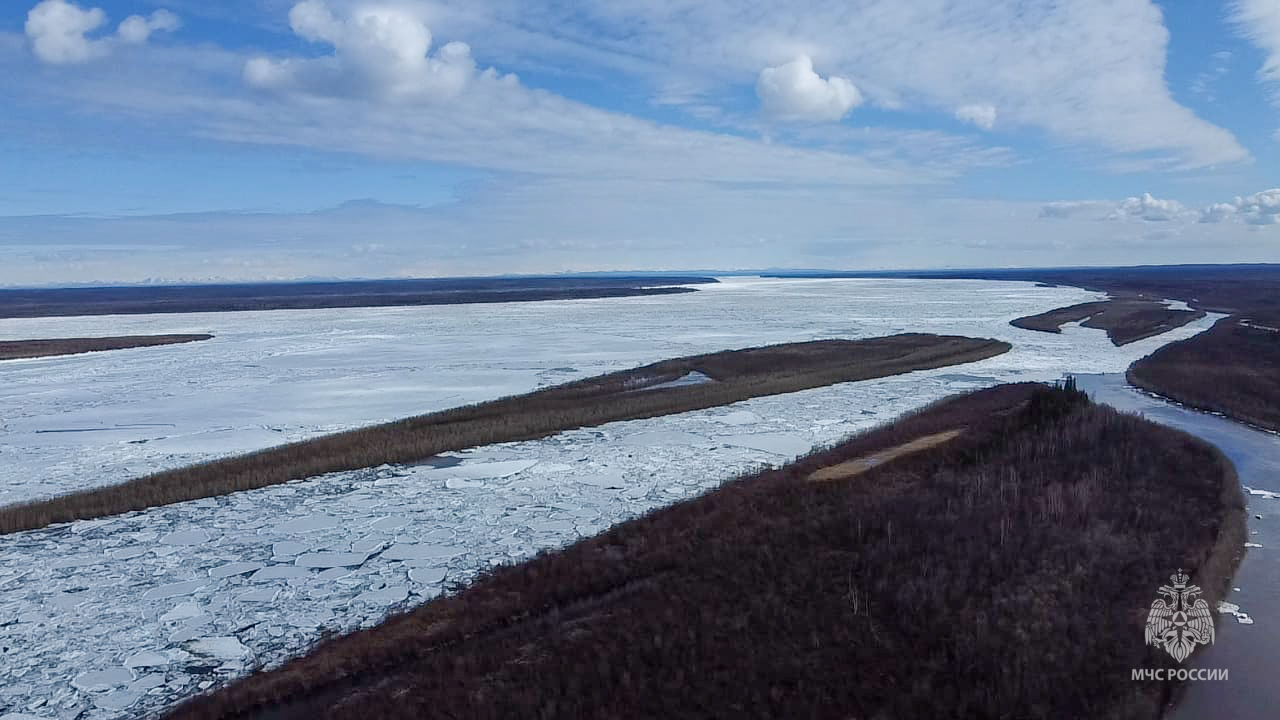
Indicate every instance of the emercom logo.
{"type": "Point", "coordinates": [1183, 622]}
{"type": "Point", "coordinates": [1179, 620]}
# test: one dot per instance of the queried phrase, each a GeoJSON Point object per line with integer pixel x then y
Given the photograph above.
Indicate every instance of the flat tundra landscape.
{"type": "Point", "coordinates": [125, 615]}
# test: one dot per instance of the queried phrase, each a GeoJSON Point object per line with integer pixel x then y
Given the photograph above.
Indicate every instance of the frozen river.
{"type": "Point", "coordinates": [115, 617]}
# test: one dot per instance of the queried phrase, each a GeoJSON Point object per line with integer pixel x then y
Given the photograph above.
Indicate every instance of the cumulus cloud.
{"type": "Point", "coordinates": [59, 31]}
{"type": "Point", "coordinates": [1151, 209]}
{"type": "Point", "coordinates": [984, 116]}
{"type": "Point", "coordinates": [794, 91]}
{"type": "Point", "coordinates": [136, 28]}
{"type": "Point", "coordinates": [1262, 208]}
{"type": "Point", "coordinates": [378, 52]}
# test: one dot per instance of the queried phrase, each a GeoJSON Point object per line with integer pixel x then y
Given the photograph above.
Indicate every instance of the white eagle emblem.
{"type": "Point", "coordinates": [1183, 622]}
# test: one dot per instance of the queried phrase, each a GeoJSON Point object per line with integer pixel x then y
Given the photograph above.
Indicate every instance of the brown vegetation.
{"type": "Point", "coordinates": [1125, 320]}
{"type": "Point", "coordinates": [737, 374]}
{"type": "Point", "coordinates": [1234, 368]}
{"type": "Point", "coordinates": [15, 349]}
{"type": "Point", "coordinates": [1006, 573]}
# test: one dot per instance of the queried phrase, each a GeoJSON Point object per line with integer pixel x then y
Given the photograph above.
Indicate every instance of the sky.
{"type": "Point", "coordinates": [184, 140]}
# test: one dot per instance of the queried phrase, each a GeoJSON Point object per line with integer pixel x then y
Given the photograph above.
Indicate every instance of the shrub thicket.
{"type": "Point", "coordinates": [1233, 368]}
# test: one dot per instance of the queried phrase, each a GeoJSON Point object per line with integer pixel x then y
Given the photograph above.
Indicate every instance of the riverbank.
{"type": "Point", "coordinates": [778, 595]}
{"type": "Point", "coordinates": [1233, 369]}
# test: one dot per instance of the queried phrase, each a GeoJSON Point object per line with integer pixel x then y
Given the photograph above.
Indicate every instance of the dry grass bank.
{"type": "Point", "coordinates": [16, 349]}
{"type": "Point", "coordinates": [738, 375]}
{"type": "Point", "coordinates": [1004, 573]}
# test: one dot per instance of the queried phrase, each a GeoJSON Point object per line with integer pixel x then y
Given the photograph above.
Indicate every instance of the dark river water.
{"type": "Point", "coordinates": [1250, 653]}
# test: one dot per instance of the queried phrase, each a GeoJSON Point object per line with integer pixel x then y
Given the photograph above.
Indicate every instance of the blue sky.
{"type": "Point", "coordinates": [187, 140]}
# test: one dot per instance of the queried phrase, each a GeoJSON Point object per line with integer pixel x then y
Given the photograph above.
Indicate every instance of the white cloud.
{"type": "Point", "coordinates": [1088, 72]}
{"type": "Point", "coordinates": [1259, 20]}
{"type": "Point", "coordinates": [1152, 209]}
{"type": "Point", "coordinates": [794, 91]}
{"type": "Point", "coordinates": [378, 52]}
{"type": "Point", "coordinates": [59, 31]}
{"type": "Point", "coordinates": [136, 28]}
{"type": "Point", "coordinates": [984, 116]}
{"type": "Point", "coordinates": [1262, 208]}
{"type": "Point", "coordinates": [1219, 212]}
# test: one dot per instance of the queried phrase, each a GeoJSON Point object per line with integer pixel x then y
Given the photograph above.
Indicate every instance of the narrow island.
{"type": "Point", "coordinates": [22, 349]}
{"type": "Point", "coordinates": [993, 555]}
{"type": "Point", "coordinates": [1125, 320]}
{"type": "Point", "coordinates": [663, 388]}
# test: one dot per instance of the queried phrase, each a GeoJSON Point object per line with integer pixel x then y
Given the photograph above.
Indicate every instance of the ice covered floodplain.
{"type": "Point", "coordinates": [116, 617]}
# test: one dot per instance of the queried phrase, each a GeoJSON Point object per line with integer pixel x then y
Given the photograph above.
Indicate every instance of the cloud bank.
{"type": "Point", "coordinates": [1261, 208]}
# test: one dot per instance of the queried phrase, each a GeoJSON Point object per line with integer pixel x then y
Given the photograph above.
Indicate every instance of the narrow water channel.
{"type": "Point", "coordinates": [1250, 653]}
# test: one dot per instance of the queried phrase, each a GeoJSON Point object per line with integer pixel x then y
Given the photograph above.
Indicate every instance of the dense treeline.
{"type": "Point", "coordinates": [736, 375]}
{"type": "Point", "coordinates": [1234, 369]}
{"type": "Point", "coordinates": [1005, 573]}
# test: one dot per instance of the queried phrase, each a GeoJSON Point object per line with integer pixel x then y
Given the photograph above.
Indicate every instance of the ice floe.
{"type": "Point", "coordinates": [1226, 608]}
{"type": "Point", "coordinates": [787, 445]}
